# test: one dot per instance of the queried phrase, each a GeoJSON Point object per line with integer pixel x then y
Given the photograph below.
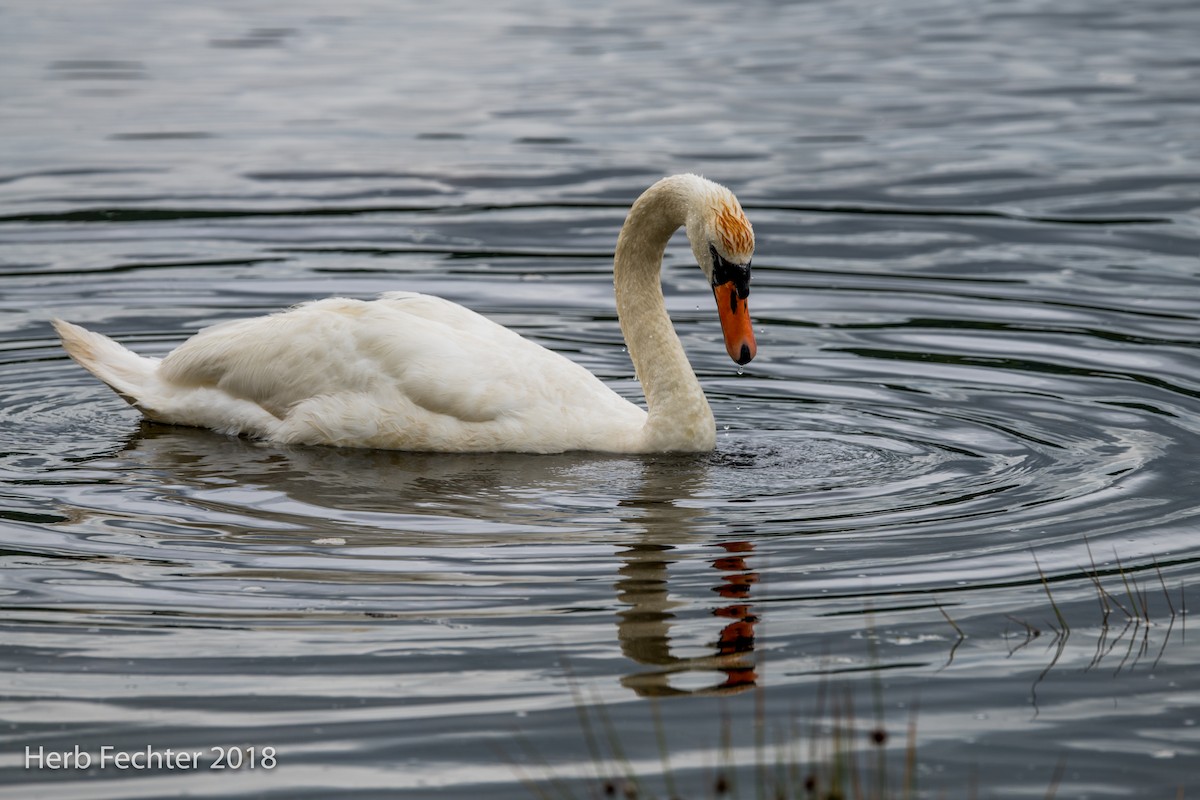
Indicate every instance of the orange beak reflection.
{"type": "Point", "coordinates": [735, 323]}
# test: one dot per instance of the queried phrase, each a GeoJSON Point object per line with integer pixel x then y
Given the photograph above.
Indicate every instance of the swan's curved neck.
{"type": "Point", "coordinates": [679, 414]}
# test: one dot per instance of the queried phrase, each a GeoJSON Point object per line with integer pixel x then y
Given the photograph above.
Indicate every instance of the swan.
{"type": "Point", "coordinates": [409, 371]}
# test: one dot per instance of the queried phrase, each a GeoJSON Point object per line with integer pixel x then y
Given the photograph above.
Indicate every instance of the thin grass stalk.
{"type": "Point", "coordinates": [1145, 604]}
{"type": "Point", "coordinates": [910, 753]}
{"type": "Point", "coordinates": [796, 769]}
{"type": "Point", "coordinates": [726, 780]}
{"type": "Point", "coordinates": [553, 779]}
{"type": "Point", "coordinates": [814, 739]}
{"type": "Point", "coordinates": [838, 767]}
{"type": "Point", "coordinates": [614, 745]}
{"type": "Point", "coordinates": [779, 780]}
{"type": "Point", "coordinates": [1163, 583]}
{"type": "Point", "coordinates": [1101, 597]}
{"type": "Point", "coordinates": [1062, 621]}
{"type": "Point", "coordinates": [1060, 770]}
{"type": "Point", "coordinates": [1131, 594]}
{"type": "Point", "coordinates": [1116, 602]}
{"type": "Point", "coordinates": [878, 734]}
{"type": "Point", "coordinates": [851, 741]}
{"type": "Point", "coordinates": [953, 624]}
{"type": "Point", "coordinates": [585, 722]}
{"type": "Point", "coordinates": [522, 774]}
{"type": "Point", "coordinates": [1095, 576]}
{"type": "Point", "coordinates": [760, 733]}
{"type": "Point", "coordinates": [660, 733]}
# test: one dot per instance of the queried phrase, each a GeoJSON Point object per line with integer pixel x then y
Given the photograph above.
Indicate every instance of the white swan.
{"type": "Point", "coordinates": [412, 372]}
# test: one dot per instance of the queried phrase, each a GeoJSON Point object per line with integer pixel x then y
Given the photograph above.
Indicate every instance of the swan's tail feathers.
{"type": "Point", "coordinates": [129, 375]}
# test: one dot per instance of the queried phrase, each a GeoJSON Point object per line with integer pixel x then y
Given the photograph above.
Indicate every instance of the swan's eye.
{"type": "Point", "coordinates": [725, 271]}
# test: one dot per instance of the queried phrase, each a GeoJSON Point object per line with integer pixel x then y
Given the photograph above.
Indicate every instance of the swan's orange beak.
{"type": "Point", "coordinates": [735, 322]}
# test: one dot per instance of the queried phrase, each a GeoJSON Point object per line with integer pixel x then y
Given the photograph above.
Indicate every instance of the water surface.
{"type": "Point", "coordinates": [975, 400]}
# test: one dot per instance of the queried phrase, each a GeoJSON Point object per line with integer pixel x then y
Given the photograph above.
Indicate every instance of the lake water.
{"type": "Point", "coordinates": [957, 489]}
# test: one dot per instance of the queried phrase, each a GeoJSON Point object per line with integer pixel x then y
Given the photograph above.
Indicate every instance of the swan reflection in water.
{"type": "Point", "coordinates": [661, 510]}
{"type": "Point", "coordinates": [385, 498]}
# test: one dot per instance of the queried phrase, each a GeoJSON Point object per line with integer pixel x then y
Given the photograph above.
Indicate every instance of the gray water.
{"type": "Point", "coordinates": [956, 489]}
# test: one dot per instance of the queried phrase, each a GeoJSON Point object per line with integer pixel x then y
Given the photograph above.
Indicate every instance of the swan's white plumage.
{"type": "Point", "coordinates": [335, 372]}
{"type": "Point", "coordinates": [413, 372]}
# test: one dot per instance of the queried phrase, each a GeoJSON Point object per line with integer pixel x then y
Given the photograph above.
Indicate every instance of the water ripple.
{"type": "Point", "coordinates": [975, 405]}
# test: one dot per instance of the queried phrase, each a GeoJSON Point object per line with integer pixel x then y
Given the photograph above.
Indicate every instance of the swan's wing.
{"type": "Point", "coordinates": [444, 312]}
{"type": "Point", "coordinates": [400, 351]}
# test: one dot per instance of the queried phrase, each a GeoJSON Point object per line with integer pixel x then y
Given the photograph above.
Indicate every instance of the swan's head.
{"type": "Point", "coordinates": [723, 243]}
